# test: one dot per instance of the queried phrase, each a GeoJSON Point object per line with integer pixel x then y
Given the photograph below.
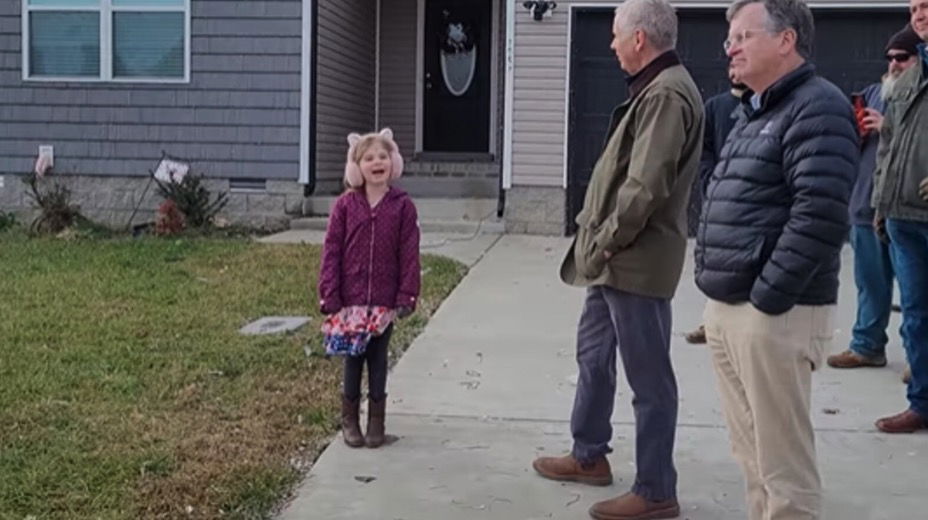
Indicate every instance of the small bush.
{"type": "Point", "coordinates": [56, 213]}
{"type": "Point", "coordinates": [192, 199]}
{"type": "Point", "coordinates": [7, 221]}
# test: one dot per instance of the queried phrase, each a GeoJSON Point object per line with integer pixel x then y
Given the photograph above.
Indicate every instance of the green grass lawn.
{"type": "Point", "coordinates": [126, 391]}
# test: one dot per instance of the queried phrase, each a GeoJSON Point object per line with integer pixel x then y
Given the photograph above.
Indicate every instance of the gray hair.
{"type": "Point", "coordinates": [656, 18]}
{"type": "Point", "coordinates": [783, 15]}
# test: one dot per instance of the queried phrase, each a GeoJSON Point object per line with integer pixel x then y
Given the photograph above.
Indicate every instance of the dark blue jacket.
{"type": "Point", "coordinates": [860, 208]}
{"type": "Point", "coordinates": [776, 215]}
{"type": "Point", "coordinates": [720, 119]}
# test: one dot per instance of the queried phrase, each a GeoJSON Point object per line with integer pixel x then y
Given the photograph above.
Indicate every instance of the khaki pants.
{"type": "Point", "coordinates": [764, 366]}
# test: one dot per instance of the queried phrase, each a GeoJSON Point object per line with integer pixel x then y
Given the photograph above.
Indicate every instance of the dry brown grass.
{"type": "Point", "coordinates": [127, 392]}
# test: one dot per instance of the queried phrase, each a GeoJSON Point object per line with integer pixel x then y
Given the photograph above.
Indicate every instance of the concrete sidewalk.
{"type": "Point", "coordinates": [488, 386]}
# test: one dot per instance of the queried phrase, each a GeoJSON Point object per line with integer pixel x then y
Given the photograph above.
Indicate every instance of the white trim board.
{"type": "Point", "coordinates": [306, 57]}
{"type": "Point", "coordinates": [509, 95]}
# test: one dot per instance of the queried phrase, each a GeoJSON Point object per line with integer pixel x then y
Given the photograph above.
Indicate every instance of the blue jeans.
{"type": "Point", "coordinates": [873, 275]}
{"type": "Point", "coordinates": [639, 328]}
{"type": "Point", "coordinates": [909, 248]}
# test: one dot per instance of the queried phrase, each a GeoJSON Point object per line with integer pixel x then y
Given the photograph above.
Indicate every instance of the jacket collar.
{"type": "Point", "coordinates": [779, 90]}
{"type": "Point", "coordinates": [645, 76]}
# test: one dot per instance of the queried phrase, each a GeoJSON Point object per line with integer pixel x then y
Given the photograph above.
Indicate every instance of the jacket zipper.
{"type": "Point", "coordinates": [370, 262]}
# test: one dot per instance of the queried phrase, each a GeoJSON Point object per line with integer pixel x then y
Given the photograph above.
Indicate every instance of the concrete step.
{"type": "Point", "coordinates": [463, 227]}
{"type": "Point", "coordinates": [441, 209]}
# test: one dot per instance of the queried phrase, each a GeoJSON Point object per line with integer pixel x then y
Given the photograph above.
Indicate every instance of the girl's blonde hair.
{"type": "Point", "coordinates": [358, 145]}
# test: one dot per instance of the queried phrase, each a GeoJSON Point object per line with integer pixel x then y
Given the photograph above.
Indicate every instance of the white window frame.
{"type": "Point", "coordinates": [106, 9]}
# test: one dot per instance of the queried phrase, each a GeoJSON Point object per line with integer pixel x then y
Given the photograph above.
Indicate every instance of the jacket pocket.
{"type": "Point", "coordinates": [912, 176]}
{"type": "Point", "coordinates": [587, 255]}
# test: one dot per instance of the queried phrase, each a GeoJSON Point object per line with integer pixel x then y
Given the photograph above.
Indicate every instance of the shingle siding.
{"type": "Point", "coordinates": [238, 117]}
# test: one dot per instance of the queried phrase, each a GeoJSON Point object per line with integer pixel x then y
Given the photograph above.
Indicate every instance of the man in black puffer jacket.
{"type": "Point", "coordinates": [768, 251]}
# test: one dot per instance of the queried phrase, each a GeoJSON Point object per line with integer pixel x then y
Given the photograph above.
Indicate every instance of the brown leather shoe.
{"type": "Point", "coordinates": [907, 374]}
{"type": "Point", "coordinates": [905, 422]}
{"type": "Point", "coordinates": [351, 427]}
{"type": "Point", "coordinates": [569, 469]}
{"type": "Point", "coordinates": [851, 359]}
{"type": "Point", "coordinates": [697, 336]}
{"type": "Point", "coordinates": [634, 507]}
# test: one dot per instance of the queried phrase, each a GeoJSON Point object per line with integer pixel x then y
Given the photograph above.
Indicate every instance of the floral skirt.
{"type": "Point", "coordinates": [347, 332]}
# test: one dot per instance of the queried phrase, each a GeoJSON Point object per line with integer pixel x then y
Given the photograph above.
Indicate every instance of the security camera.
{"type": "Point", "coordinates": [538, 8]}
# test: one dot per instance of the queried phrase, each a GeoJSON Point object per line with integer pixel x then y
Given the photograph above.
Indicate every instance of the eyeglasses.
{"type": "Point", "coordinates": [740, 38]}
{"type": "Point", "coordinates": [899, 58]}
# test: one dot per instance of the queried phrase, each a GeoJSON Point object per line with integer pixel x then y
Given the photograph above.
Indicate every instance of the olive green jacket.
{"type": "Point", "coordinates": [902, 156]}
{"type": "Point", "coordinates": [635, 205]}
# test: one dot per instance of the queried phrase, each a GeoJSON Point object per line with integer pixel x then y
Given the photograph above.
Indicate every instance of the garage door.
{"type": "Point", "coordinates": [848, 51]}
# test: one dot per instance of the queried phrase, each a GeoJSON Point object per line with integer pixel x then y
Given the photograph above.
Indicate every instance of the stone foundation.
{"type": "Point", "coordinates": [536, 210]}
{"type": "Point", "coordinates": [110, 200]}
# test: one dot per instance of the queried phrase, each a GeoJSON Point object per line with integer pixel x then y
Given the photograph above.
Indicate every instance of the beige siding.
{"type": "Point", "coordinates": [344, 80]}
{"type": "Point", "coordinates": [540, 79]}
{"type": "Point", "coordinates": [398, 35]}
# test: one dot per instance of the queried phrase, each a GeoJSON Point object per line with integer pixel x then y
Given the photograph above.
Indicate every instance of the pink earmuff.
{"type": "Point", "coordinates": [353, 175]}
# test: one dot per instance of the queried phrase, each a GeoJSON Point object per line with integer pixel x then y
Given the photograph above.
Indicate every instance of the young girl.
{"type": "Point", "coordinates": [369, 276]}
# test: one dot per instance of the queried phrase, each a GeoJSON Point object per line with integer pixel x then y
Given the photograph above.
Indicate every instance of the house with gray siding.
{"type": "Point", "coordinates": [492, 104]}
{"type": "Point", "coordinates": [229, 86]}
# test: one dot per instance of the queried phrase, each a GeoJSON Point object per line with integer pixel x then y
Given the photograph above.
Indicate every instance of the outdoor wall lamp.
{"type": "Point", "coordinates": [539, 8]}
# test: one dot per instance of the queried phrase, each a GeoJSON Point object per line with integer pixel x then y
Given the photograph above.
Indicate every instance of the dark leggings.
{"type": "Point", "coordinates": [376, 355]}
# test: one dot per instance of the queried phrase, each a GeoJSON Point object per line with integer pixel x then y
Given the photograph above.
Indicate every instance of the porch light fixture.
{"type": "Point", "coordinates": [539, 8]}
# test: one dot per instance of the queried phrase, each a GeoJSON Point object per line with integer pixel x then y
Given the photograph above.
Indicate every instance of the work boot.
{"type": "Point", "coordinates": [851, 359]}
{"type": "Point", "coordinates": [376, 414]}
{"type": "Point", "coordinates": [908, 421]}
{"type": "Point", "coordinates": [569, 469]}
{"type": "Point", "coordinates": [351, 428]}
{"type": "Point", "coordinates": [634, 507]}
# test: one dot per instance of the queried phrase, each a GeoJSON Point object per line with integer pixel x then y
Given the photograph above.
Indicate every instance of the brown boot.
{"type": "Point", "coordinates": [634, 507]}
{"type": "Point", "coordinates": [851, 359]}
{"type": "Point", "coordinates": [907, 374]}
{"type": "Point", "coordinates": [351, 427]}
{"type": "Point", "coordinates": [567, 468]}
{"type": "Point", "coordinates": [697, 336]}
{"type": "Point", "coordinates": [376, 414]}
{"type": "Point", "coordinates": [905, 422]}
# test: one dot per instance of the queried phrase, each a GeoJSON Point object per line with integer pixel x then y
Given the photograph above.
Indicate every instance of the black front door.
{"type": "Point", "coordinates": [457, 76]}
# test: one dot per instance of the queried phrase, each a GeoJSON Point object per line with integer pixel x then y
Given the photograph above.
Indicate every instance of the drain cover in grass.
{"type": "Point", "coordinates": [274, 325]}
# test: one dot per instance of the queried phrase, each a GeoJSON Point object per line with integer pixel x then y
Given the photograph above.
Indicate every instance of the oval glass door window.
{"type": "Point", "coordinates": [458, 59]}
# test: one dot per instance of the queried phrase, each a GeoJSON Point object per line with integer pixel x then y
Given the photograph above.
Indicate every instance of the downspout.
{"type": "Point", "coordinates": [310, 187]}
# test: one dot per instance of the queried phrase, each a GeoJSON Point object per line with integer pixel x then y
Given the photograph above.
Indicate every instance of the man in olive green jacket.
{"type": "Point", "coordinates": [899, 197]}
{"type": "Point", "coordinates": [628, 254]}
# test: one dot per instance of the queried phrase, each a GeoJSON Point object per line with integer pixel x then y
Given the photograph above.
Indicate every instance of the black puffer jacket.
{"type": "Point", "coordinates": [775, 217]}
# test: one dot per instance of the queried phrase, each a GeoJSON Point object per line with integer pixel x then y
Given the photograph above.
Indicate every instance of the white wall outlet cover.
{"type": "Point", "coordinates": [48, 152]}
